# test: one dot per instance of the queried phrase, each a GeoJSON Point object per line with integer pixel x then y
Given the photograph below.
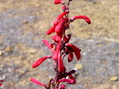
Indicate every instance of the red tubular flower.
{"type": "Point", "coordinates": [57, 1]}
{"type": "Point", "coordinates": [72, 77]}
{"type": "Point", "coordinates": [59, 17]}
{"type": "Point", "coordinates": [39, 61]}
{"type": "Point", "coordinates": [37, 82]}
{"type": "Point", "coordinates": [47, 44]}
{"type": "Point", "coordinates": [71, 72]}
{"type": "Point", "coordinates": [56, 38]}
{"type": "Point", "coordinates": [81, 17]}
{"type": "Point", "coordinates": [70, 56]}
{"type": "Point", "coordinates": [61, 66]}
{"type": "Point", "coordinates": [0, 84]}
{"type": "Point", "coordinates": [51, 30]}
{"type": "Point", "coordinates": [69, 81]}
{"type": "Point", "coordinates": [75, 49]}
{"type": "Point", "coordinates": [55, 54]}
{"type": "Point", "coordinates": [60, 28]}
{"type": "Point", "coordinates": [66, 39]}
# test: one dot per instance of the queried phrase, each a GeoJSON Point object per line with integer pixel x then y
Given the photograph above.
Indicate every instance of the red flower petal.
{"type": "Point", "coordinates": [69, 81]}
{"type": "Point", "coordinates": [0, 84]}
{"type": "Point", "coordinates": [72, 77]}
{"type": "Point", "coordinates": [76, 50]}
{"type": "Point", "coordinates": [51, 30]}
{"type": "Point", "coordinates": [56, 38]}
{"type": "Point", "coordinates": [60, 28]}
{"type": "Point", "coordinates": [61, 66]}
{"type": "Point", "coordinates": [66, 39]}
{"type": "Point", "coordinates": [82, 17]}
{"type": "Point", "coordinates": [71, 72]}
{"type": "Point", "coordinates": [39, 61]}
{"type": "Point", "coordinates": [37, 82]}
{"type": "Point", "coordinates": [47, 44]}
{"type": "Point", "coordinates": [70, 57]}
{"type": "Point", "coordinates": [59, 17]}
{"type": "Point", "coordinates": [57, 1]}
{"type": "Point", "coordinates": [57, 51]}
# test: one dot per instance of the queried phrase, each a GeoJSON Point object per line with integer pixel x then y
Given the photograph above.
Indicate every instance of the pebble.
{"type": "Point", "coordinates": [25, 21]}
{"type": "Point", "coordinates": [8, 49]}
{"type": "Point", "coordinates": [1, 53]}
{"type": "Point", "coordinates": [32, 51]}
{"type": "Point", "coordinates": [78, 66]}
{"type": "Point", "coordinates": [114, 78]}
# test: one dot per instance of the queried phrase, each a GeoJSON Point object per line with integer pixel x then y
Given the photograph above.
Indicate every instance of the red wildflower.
{"type": "Point", "coordinates": [39, 61]}
{"type": "Point", "coordinates": [81, 17]}
{"type": "Point", "coordinates": [51, 30]}
{"type": "Point", "coordinates": [70, 56]}
{"type": "Point", "coordinates": [57, 1]}
{"type": "Point", "coordinates": [56, 21]}
{"type": "Point", "coordinates": [72, 77]}
{"type": "Point", "coordinates": [61, 66]}
{"type": "Point", "coordinates": [69, 81]}
{"type": "Point", "coordinates": [75, 49]}
{"type": "Point", "coordinates": [66, 39]}
{"type": "Point", "coordinates": [57, 51]}
{"type": "Point", "coordinates": [56, 38]}
{"type": "Point", "coordinates": [37, 82]}
{"type": "Point", "coordinates": [60, 28]}
{"type": "Point", "coordinates": [47, 44]}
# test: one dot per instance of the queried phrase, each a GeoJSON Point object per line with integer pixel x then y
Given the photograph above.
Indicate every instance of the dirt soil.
{"type": "Point", "coordinates": [23, 24]}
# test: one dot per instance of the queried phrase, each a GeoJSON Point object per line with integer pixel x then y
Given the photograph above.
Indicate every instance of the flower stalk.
{"type": "Point", "coordinates": [61, 48]}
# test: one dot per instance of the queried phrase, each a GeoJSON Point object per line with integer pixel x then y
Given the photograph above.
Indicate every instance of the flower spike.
{"type": "Point", "coordinates": [60, 49]}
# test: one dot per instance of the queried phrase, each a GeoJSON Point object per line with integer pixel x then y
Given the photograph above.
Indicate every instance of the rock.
{"type": "Point", "coordinates": [114, 78]}
{"type": "Point", "coordinates": [8, 49]}
{"type": "Point", "coordinates": [78, 66]}
{"type": "Point", "coordinates": [32, 51]}
{"type": "Point", "coordinates": [37, 5]}
{"type": "Point", "coordinates": [25, 21]}
{"type": "Point", "coordinates": [1, 53]}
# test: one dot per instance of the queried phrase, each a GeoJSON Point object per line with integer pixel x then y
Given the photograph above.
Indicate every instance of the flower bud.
{"type": "Point", "coordinates": [57, 1]}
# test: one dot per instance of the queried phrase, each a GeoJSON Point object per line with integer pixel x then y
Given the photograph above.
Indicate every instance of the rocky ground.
{"type": "Point", "coordinates": [23, 24]}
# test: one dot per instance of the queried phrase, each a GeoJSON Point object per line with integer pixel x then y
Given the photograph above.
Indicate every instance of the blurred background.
{"type": "Point", "coordinates": [23, 26]}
